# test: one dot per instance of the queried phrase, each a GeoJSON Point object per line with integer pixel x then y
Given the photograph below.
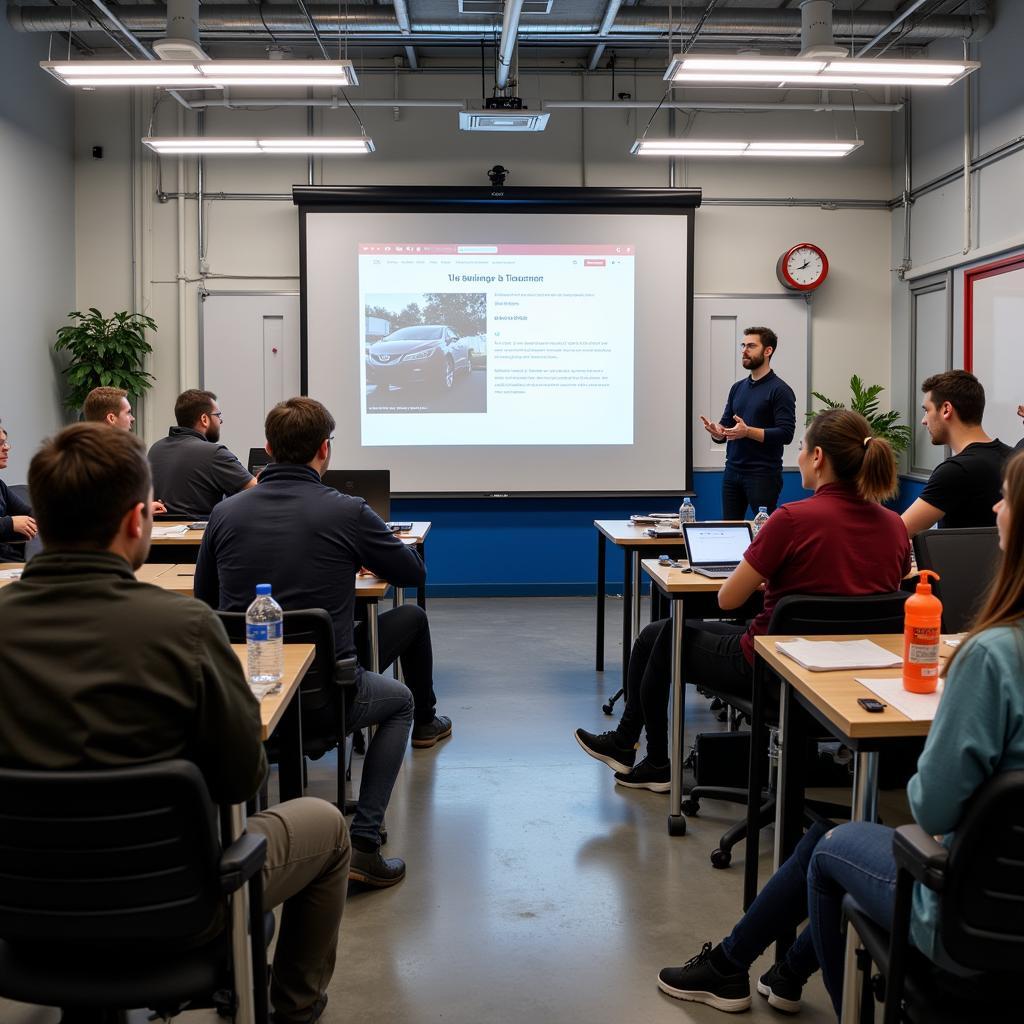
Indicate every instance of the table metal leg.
{"type": "Point", "coordinates": [627, 613]}
{"type": "Point", "coordinates": [374, 639]}
{"type": "Point", "coordinates": [290, 769]}
{"type": "Point", "coordinates": [241, 948]}
{"type": "Point", "coordinates": [637, 594]}
{"type": "Point", "coordinates": [398, 600]}
{"type": "Point", "coordinates": [755, 785]}
{"type": "Point", "coordinates": [864, 808]}
{"type": "Point", "coordinates": [676, 821]}
{"type": "Point", "coordinates": [789, 810]}
{"type": "Point", "coordinates": [602, 552]}
{"type": "Point", "coordinates": [421, 590]}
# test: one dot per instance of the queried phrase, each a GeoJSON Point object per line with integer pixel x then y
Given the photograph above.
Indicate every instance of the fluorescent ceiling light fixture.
{"type": "Point", "coordinates": [743, 148]}
{"type": "Point", "coordinates": [206, 74]}
{"type": "Point", "coordinates": [204, 145]}
{"type": "Point", "coordinates": [502, 120]}
{"type": "Point", "coordinates": [812, 73]}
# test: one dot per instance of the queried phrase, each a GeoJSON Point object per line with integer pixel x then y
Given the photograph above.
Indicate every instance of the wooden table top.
{"type": "Point", "coordinates": [416, 535]}
{"type": "Point", "coordinates": [181, 580]}
{"type": "Point", "coordinates": [297, 659]}
{"type": "Point", "coordinates": [835, 694]}
{"type": "Point", "coordinates": [625, 533]}
{"type": "Point", "coordinates": [676, 581]}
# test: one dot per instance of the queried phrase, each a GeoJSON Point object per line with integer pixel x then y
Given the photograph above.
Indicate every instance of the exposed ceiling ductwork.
{"type": "Point", "coordinates": [396, 25]}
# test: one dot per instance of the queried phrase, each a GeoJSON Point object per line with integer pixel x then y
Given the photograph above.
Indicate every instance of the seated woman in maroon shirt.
{"type": "Point", "coordinates": [839, 541]}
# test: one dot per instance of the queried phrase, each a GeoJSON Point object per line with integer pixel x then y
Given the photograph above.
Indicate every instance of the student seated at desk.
{"type": "Point", "coordinates": [840, 541]}
{"type": "Point", "coordinates": [962, 490]}
{"type": "Point", "coordinates": [978, 731]}
{"type": "Point", "coordinates": [16, 522]}
{"type": "Point", "coordinates": [308, 541]}
{"type": "Point", "coordinates": [100, 670]}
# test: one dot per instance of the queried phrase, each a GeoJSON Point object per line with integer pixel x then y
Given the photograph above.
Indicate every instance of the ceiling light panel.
{"type": "Point", "coordinates": [740, 71]}
{"type": "Point", "coordinates": [795, 150]}
{"type": "Point", "coordinates": [207, 74]}
{"type": "Point", "coordinates": [204, 145]}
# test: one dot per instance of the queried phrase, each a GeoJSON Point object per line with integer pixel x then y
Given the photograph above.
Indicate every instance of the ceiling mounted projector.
{"type": "Point", "coordinates": [502, 114]}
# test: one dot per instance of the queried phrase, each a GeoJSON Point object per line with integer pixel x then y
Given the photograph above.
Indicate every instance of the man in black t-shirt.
{"type": "Point", "coordinates": [962, 490]}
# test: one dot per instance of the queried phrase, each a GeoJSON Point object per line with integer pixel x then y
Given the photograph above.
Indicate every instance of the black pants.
{"type": "Point", "coordinates": [712, 657]}
{"type": "Point", "coordinates": [740, 491]}
{"type": "Point", "coordinates": [404, 633]}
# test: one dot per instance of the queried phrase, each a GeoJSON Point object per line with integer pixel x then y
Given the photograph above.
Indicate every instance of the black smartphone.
{"type": "Point", "coordinates": [870, 704]}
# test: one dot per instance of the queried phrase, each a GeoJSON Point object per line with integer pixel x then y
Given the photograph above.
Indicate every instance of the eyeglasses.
{"type": "Point", "coordinates": [4, 443]}
{"type": "Point", "coordinates": [330, 440]}
{"type": "Point", "coordinates": [218, 414]}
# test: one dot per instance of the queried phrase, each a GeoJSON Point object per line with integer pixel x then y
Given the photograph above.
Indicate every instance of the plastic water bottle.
{"type": "Point", "coordinates": [761, 518]}
{"type": "Point", "coordinates": [687, 513]}
{"type": "Point", "coordinates": [264, 643]}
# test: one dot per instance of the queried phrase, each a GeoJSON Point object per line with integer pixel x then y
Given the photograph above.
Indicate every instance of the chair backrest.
{"type": "Point", "coordinates": [110, 856]}
{"type": "Point", "coordinates": [318, 689]}
{"type": "Point", "coordinates": [982, 920]}
{"type": "Point", "coordinates": [35, 545]}
{"type": "Point", "coordinates": [818, 615]}
{"type": "Point", "coordinates": [965, 560]}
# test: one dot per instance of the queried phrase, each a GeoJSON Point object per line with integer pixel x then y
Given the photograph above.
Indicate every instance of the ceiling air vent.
{"type": "Point", "coordinates": [502, 115]}
{"type": "Point", "coordinates": [496, 7]}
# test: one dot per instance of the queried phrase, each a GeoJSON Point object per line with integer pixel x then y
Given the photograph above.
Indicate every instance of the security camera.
{"type": "Point", "coordinates": [498, 174]}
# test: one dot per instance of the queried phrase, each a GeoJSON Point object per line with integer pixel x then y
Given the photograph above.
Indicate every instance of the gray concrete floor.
{"type": "Point", "coordinates": [537, 890]}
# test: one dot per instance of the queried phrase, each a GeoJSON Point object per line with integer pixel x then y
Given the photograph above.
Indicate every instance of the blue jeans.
{"type": "Point", "coordinates": [387, 704]}
{"type": "Point", "coordinates": [781, 906]}
{"type": "Point", "coordinates": [855, 858]}
{"type": "Point", "coordinates": [740, 490]}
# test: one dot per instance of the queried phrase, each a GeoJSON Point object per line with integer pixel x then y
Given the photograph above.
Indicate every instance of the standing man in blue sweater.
{"type": "Point", "coordinates": [758, 422]}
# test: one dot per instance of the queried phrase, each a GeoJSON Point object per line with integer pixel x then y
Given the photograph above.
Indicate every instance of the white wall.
{"type": "Point", "coordinates": [937, 219]}
{"type": "Point", "coordinates": [255, 244]}
{"type": "Point", "coordinates": [37, 237]}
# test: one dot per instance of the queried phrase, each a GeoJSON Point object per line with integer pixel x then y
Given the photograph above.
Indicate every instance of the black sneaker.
{"type": "Point", "coordinates": [781, 988]}
{"type": "Point", "coordinates": [605, 747]}
{"type": "Point", "coordinates": [646, 776]}
{"type": "Point", "coordinates": [373, 869]}
{"type": "Point", "coordinates": [427, 735]}
{"type": "Point", "coordinates": [697, 981]}
{"type": "Point", "coordinates": [311, 1016]}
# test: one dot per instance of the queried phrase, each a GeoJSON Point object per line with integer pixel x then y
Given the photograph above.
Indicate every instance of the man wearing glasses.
{"type": "Point", "coordinates": [16, 522]}
{"type": "Point", "coordinates": [758, 422]}
{"type": "Point", "coordinates": [192, 471]}
{"type": "Point", "coordinates": [308, 541]}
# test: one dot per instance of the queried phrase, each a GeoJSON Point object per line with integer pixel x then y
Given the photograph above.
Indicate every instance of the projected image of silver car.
{"type": "Point", "coordinates": [429, 353]}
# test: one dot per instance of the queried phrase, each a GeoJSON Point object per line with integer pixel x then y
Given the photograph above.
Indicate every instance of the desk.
{"type": "Point", "coordinates": [830, 698]}
{"type": "Point", "coordinates": [624, 534]}
{"type": "Point", "coordinates": [416, 537]}
{"type": "Point", "coordinates": [677, 585]}
{"type": "Point", "coordinates": [192, 538]}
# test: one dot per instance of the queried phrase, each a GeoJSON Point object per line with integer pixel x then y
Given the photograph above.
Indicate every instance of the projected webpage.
{"type": "Point", "coordinates": [496, 344]}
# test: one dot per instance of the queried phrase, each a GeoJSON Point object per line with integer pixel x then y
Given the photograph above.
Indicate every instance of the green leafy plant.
{"type": "Point", "coordinates": [105, 352]}
{"type": "Point", "coordinates": [865, 401]}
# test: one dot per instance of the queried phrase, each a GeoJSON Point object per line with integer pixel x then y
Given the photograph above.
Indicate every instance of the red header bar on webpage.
{"type": "Point", "coordinates": [487, 249]}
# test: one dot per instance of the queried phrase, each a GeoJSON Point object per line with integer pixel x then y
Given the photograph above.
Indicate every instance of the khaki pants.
{"type": "Point", "coordinates": [308, 854]}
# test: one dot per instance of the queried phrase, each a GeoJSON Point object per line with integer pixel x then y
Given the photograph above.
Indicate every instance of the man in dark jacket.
{"type": "Point", "coordinates": [16, 523]}
{"type": "Point", "coordinates": [100, 670]}
{"type": "Point", "coordinates": [308, 541]}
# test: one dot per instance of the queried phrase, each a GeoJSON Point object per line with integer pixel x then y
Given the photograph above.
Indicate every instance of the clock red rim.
{"type": "Point", "coordinates": [788, 280]}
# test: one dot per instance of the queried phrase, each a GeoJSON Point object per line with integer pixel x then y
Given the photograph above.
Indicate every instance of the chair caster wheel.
{"type": "Point", "coordinates": [691, 808]}
{"type": "Point", "coordinates": [721, 858]}
{"type": "Point", "coordinates": [607, 709]}
{"type": "Point", "coordinates": [676, 825]}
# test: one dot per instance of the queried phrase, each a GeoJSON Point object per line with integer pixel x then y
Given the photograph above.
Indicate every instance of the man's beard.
{"type": "Point", "coordinates": [213, 433]}
{"type": "Point", "coordinates": [753, 362]}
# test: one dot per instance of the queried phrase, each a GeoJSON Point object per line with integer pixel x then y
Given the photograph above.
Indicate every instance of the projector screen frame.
{"type": "Point", "coordinates": [441, 199]}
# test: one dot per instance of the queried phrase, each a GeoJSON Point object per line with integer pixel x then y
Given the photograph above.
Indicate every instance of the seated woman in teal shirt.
{"type": "Point", "coordinates": [978, 731]}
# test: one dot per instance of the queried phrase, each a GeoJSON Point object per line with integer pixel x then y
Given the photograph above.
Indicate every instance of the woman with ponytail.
{"type": "Point", "coordinates": [978, 732]}
{"type": "Point", "coordinates": [840, 541]}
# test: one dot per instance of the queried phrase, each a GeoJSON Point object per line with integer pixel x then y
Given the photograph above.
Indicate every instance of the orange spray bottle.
{"type": "Point", "coordinates": [922, 626]}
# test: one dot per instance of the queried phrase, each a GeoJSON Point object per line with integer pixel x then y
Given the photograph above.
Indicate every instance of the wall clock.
{"type": "Point", "coordinates": [803, 267]}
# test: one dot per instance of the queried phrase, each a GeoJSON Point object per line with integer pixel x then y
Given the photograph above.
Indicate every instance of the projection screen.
{"type": "Point", "coordinates": [478, 341]}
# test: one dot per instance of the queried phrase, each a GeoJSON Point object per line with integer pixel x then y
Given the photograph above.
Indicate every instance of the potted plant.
{"type": "Point", "coordinates": [865, 401]}
{"type": "Point", "coordinates": [105, 352]}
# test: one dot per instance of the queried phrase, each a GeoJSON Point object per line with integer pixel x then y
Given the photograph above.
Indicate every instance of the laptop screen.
{"type": "Point", "coordinates": [709, 543]}
{"type": "Point", "coordinates": [372, 485]}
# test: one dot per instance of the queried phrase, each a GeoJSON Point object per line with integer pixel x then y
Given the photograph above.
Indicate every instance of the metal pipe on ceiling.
{"type": "Point", "coordinates": [714, 105]}
{"type": "Point", "coordinates": [895, 23]}
{"type": "Point", "coordinates": [507, 45]}
{"type": "Point", "coordinates": [282, 101]}
{"type": "Point", "coordinates": [781, 25]}
{"type": "Point", "coordinates": [610, 14]}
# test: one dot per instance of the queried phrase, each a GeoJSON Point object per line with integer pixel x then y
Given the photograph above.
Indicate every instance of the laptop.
{"type": "Point", "coordinates": [715, 549]}
{"type": "Point", "coordinates": [372, 485]}
{"type": "Point", "coordinates": [258, 458]}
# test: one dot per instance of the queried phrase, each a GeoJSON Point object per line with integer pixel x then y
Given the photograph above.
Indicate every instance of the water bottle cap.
{"type": "Point", "coordinates": [762, 508]}
{"type": "Point", "coordinates": [686, 501]}
{"type": "Point", "coordinates": [263, 590]}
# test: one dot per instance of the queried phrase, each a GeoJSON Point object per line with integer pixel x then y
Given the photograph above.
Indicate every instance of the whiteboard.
{"type": "Point", "coordinates": [718, 325]}
{"type": "Point", "coordinates": [249, 358]}
{"type": "Point", "coordinates": [997, 343]}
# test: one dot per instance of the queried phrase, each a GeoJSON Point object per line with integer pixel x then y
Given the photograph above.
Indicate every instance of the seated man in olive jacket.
{"type": "Point", "coordinates": [99, 670]}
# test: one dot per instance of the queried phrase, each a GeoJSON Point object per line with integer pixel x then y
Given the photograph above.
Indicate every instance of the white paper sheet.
{"type": "Point", "coordinates": [836, 655]}
{"type": "Point", "coordinates": [920, 707]}
{"type": "Point", "coordinates": [170, 531]}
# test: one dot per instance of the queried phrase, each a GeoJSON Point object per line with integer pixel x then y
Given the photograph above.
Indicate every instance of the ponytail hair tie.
{"type": "Point", "coordinates": [866, 439]}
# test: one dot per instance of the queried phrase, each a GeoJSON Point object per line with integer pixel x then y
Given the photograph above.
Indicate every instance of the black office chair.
{"type": "Point", "coordinates": [980, 879]}
{"type": "Point", "coordinates": [114, 890]}
{"type": "Point", "coordinates": [323, 705]}
{"type": "Point", "coordinates": [798, 615]}
{"type": "Point", "coordinates": [965, 561]}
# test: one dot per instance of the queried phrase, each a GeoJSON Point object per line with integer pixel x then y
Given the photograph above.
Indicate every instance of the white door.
{"type": "Point", "coordinates": [718, 325]}
{"type": "Point", "coordinates": [250, 359]}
